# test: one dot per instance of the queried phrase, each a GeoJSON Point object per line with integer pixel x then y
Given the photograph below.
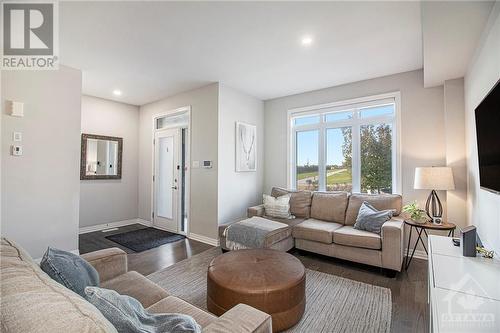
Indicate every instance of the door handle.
{"type": "Point", "coordinates": [174, 187]}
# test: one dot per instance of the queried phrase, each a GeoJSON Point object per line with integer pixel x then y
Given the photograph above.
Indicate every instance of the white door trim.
{"type": "Point", "coordinates": [173, 112]}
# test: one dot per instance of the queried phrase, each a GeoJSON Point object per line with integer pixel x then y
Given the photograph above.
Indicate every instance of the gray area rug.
{"type": "Point", "coordinates": [333, 304]}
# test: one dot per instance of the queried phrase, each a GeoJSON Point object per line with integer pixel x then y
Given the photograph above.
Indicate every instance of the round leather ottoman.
{"type": "Point", "coordinates": [269, 280]}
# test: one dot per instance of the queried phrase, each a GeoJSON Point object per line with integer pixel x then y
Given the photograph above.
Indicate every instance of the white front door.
{"type": "Point", "coordinates": [166, 180]}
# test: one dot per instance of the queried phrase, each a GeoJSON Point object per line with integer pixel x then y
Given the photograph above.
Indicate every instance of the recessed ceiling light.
{"type": "Point", "coordinates": [117, 92]}
{"type": "Point", "coordinates": [307, 40]}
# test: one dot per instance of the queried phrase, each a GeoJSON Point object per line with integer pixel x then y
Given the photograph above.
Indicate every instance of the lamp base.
{"type": "Point", "coordinates": [433, 207]}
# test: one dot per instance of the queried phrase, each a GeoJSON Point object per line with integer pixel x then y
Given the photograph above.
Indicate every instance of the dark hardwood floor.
{"type": "Point", "coordinates": [145, 262]}
{"type": "Point", "coordinates": [408, 288]}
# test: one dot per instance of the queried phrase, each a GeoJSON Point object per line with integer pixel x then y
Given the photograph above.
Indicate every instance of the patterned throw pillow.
{"type": "Point", "coordinates": [371, 219]}
{"type": "Point", "coordinates": [277, 207]}
{"type": "Point", "coordinates": [70, 270]}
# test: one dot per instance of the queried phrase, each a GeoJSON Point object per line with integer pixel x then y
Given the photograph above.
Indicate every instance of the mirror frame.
{"type": "Point", "coordinates": [83, 157]}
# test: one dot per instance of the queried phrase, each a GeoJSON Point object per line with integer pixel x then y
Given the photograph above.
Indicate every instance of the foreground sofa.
{"type": "Point", "coordinates": [324, 225]}
{"type": "Point", "coordinates": [32, 302]}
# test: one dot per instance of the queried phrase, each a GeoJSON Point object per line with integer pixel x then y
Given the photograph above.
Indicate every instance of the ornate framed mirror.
{"type": "Point", "coordinates": [101, 157]}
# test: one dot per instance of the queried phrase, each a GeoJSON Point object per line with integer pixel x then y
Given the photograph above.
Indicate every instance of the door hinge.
{"type": "Point", "coordinates": [153, 141]}
{"type": "Point", "coordinates": [153, 178]}
{"type": "Point", "coordinates": [153, 214]}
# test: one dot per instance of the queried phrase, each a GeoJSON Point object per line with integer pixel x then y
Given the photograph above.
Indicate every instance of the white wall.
{"type": "Point", "coordinates": [238, 190]}
{"type": "Point", "coordinates": [481, 76]}
{"type": "Point", "coordinates": [422, 126]}
{"type": "Point", "coordinates": [454, 106]}
{"type": "Point", "coordinates": [204, 146]}
{"type": "Point", "coordinates": [104, 201]}
{"type": "Point", "coordinates": [41, 189]}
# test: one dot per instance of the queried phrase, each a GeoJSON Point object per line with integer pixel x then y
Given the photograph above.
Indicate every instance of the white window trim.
{"type": "Point", "coordinates": [392, 97]}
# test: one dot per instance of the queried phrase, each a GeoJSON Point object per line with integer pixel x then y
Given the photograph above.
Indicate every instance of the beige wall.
{"type": "Point", "coordinates": [422, 126]}
{"type": "Point", "coordinates": [204, 146]}
{"type": "Point", "coordinates": [104, 201]}
{"type": "Point", "coordinates": [455, 149]}
{"type": "Point", "coordinates": [41, 189]}
{"type": "Point", "coordinates": [238, 190]}
{"type": "Point", "coordinates": [482, 74]}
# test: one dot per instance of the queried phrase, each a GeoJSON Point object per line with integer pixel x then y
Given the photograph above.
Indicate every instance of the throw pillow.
{"type": "Point", "coordinates": [128, 315]}
{"type": "Point", "coordinates": [277, 207]}
{"type": "Point", "coordinates": [371, 219]}
{"type": "Point", "coordinates": [70, 270]}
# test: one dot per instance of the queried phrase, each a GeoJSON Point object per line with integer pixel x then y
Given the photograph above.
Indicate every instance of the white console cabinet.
{"type": "Point", "coordinates": [464, 292]}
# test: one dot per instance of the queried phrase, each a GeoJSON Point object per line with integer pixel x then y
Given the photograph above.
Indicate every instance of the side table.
{"type": "Point", "coordinates": [421, 228]}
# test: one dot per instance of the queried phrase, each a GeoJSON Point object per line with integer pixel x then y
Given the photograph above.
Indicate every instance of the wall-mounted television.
{"type": "Point", "coordinates": [488, 140]}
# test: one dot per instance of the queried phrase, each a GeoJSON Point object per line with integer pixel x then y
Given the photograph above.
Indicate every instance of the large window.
{"type": "Point", "coordinates": [350, 146]}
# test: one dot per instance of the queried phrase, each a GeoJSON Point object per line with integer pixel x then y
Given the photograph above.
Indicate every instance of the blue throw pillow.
{"type": "Point", "coordinates": [127, 314]}
{"type": "Point", "coordinates": [70, 270]}
{"type": "Point", "coordinates": [371, 219]}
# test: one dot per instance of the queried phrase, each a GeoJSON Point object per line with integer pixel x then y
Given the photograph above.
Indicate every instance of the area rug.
{"type": "Point", "coordinates": [144, 239]}
{"type": "Point", "coordinates": [333, 304]}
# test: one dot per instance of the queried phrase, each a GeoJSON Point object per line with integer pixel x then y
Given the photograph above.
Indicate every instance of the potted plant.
{"type": "Point", "coordinates": [416, 214]}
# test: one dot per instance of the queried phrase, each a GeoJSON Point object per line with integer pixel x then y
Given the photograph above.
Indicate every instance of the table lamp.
{"type": "Point", "coordinates": [434, 178]}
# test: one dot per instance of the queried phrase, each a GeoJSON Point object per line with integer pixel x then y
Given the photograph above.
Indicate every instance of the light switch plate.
{"type": "Point", "coordinates": [15, 109]}
{"type": "Point", "coordinates": [17, 136]}
{"type": "Point", "coordinates": [17, 150]}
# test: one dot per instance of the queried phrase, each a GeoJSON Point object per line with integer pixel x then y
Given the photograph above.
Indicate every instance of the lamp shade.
{"type": "Point", "coordinates": [434, 178]}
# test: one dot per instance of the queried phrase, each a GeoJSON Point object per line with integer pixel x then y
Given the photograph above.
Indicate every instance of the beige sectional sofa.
{"type": "Point", "coordinates": [324, 225]}
{"type": "Point", "coordinates": [32, 302]}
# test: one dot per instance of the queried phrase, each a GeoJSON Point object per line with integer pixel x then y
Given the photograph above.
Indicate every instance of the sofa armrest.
{"type": "Point", "coordinates": [241, 319]}
{"type": "Point", "coordinates": [256, 211]}
{"type": "Point", "coordinates": [393, 244]}
{"type": "Point", "coordinates": [109, 263]}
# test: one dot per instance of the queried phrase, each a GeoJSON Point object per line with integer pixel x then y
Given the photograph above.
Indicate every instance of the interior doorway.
{"type": "Point", "coordinates": [170, 206]}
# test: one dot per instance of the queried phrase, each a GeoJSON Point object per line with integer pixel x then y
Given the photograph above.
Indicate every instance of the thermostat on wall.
{"type": "Point", "coordinates": [207, 164]}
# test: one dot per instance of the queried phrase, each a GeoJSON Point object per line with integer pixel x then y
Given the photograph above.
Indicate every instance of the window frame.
{"type": "Point", "coordinates": [356, 122]}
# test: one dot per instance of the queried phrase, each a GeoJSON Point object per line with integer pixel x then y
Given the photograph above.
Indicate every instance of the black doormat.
{"type": "Point", "coordinates": [144, 239]}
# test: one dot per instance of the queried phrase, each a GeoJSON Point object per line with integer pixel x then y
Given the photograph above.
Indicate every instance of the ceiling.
{"type": "Point", "coordinates": [451, 32]}
{"type": "Point", "coordinates": [157, 49]}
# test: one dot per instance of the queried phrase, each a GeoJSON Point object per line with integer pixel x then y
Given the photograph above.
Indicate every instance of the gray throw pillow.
{"type": "Point", "coordinates": [371, 219]}
{"type": "Point", "coordinates": [70, 270]}
{"type": "Point", "coordinates": [128, 315]}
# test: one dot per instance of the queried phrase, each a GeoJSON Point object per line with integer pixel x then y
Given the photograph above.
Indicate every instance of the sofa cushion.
{"type": "Point", "coordinates": [33, 302]}
{"type": "Point", "coordinates": [349, 236]}
{"type": "Point", "coordinates": [137, 286]}
{"type": "Point", "coordinates": [290, 222]}
{"type": "Point", "coordinates": [70, 270]}
{"type": "Point", "coordinates": [173, 304]}
{"type": "Point", "coordinates": [255, 232]}
{"type": "Point", "coordinates": [329, 206]}
{"type": "Point", "coordinates": [316, 230]}
{"type": "Point", "coordinates": [300, 201]}
{"type": "Point", "coordinates": [379, 201]}
{"type": "Point", "coordinates": [128, 315]}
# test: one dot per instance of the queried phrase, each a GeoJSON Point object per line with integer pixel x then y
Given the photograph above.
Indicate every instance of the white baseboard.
{"type": "Point", "coordinates": [419, 254]}
{"type": "Point", "coordinates": [145, 222]}
{"type": "Point", "coordinates": [203, 239]}
{"type": "Point", "coordinates": [116, 224]}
